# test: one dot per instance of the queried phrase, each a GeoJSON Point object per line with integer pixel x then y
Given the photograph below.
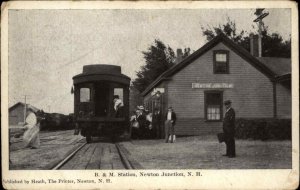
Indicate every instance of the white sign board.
{"type": "Point", "coordinates": [155, 90]}
{"type": "Point", "coordinates": [212, 85]}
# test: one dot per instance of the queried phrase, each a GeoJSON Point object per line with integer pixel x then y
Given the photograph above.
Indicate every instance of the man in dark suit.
{"type": "Point", "coordinates": [170, 121]}
{"type": "Point", "coordinates": [156, 123]}
{"type": "Point", "coordinates": [229, 129]}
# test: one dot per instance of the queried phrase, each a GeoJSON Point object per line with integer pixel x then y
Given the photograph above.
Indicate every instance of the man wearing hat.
{"type": "Point", "coordinates": [229, 129]}
{"type": "Point", "coordinates": [141, 119]}
{"type": "Point", "coordinates": [141, 107]}
{"type": "Point", "coordinates": [169, 124]}
{"type": "Point", "coordinates": [156, 122]}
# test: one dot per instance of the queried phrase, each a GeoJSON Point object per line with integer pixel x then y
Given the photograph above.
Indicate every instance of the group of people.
{"type": "Point", "coordinates": [146, 125]}
{"type": "Point", "coordinates": [149, 125]}
{"type": "Point", "coordinates": [141, 126]}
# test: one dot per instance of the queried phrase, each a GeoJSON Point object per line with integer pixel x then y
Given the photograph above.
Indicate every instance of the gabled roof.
{"type": "Point", "coordinates": [220, 38]}
{"type": "Point", "coordinates": [280, 66]}
{"type": "Point", "coordinates": [22, 104]}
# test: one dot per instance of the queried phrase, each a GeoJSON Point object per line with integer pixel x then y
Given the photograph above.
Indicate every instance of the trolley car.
{"type": "Point", "coordinates": [94, 109]}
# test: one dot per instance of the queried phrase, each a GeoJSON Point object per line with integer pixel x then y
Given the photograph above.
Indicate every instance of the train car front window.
{"type": "Point", "coordinates": [119, 92]}
{"type": "Point", "coordinates": [85, 95]}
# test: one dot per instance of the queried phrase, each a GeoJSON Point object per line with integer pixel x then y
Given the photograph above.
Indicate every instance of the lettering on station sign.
{"type": "Point", "coordinates": [212, 85]}
{"type": "Point", "coordinates": [155, 90]}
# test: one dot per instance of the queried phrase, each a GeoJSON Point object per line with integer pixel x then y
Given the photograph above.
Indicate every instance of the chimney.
{"type": "Point", "coordinates": [179, 56]}
{"type": "Point", "coordinates": [254, 45]}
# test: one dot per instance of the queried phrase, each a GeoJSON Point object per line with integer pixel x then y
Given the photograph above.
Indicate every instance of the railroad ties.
{"type": "Point", "coordinates": [98, 155]}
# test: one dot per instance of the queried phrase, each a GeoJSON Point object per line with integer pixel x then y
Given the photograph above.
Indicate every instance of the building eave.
{"type": "Point", "coordinates": [284, 77]}
{"type": "Point", "coordinates": [159, 80]}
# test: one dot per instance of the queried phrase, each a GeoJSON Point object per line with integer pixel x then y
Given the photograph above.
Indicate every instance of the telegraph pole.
{"type": "Point", "coordinates": [25, 107]}
{"type": "Point", "coordinates": [261, 15]}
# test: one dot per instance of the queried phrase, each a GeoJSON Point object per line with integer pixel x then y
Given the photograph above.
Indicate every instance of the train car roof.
{"type": "Point", "coordinates": [99, 72]}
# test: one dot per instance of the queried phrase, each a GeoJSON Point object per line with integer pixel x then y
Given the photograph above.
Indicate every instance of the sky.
{"type": "Point", "coordinates": [48, 47]}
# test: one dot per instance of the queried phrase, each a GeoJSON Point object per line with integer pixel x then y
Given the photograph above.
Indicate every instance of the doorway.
{"type": "Point", "coordinates": [101, 99]}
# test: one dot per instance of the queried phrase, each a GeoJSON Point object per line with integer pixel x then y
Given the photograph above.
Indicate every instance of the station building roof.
{"type": "Point", "coordinates": [23, 104]}
{"type": "Point", "coordinates": [272, 67]}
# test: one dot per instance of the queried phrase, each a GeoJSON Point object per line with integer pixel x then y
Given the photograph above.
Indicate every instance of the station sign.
{"type": "Point", "coordinates": [155, 90]}
{"type": "Point", "coordinates": [212, 85]}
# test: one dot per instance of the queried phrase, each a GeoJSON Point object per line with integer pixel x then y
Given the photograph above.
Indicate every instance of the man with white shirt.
{"type": "Point", "coordinates": [169, 124]}
{"type": "Point", "coordinates": [229, 129]}
{"type": "Point", "coordinates": [118, 106]}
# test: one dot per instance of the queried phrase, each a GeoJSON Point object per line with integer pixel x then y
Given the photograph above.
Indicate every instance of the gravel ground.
{"type": "Point", "coordinates": [54, 147]}
{"type": "Point", "coordinates": [200, 152]}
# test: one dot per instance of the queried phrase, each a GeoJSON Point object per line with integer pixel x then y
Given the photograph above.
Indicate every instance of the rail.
{"type": "Point", "coordinates": [68, 157]}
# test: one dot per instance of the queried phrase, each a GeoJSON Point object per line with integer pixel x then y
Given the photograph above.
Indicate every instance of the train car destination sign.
{"type": "Point", "coordinates": [212, 85]}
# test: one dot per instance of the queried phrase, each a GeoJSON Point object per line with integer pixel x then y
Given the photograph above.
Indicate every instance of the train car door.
{"type": "Point", "coordinates": [101, 99]}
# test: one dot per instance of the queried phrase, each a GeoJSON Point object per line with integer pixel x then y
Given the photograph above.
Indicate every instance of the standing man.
{"type": "Point", "coordinates": [229, 129]}
{"type": "Point", "coordinates": [118, 106]}
{"type": "Point", "coordinates": [169, 124]}
{"type": "Point", "coordinates": [156, 122]}
{"type": "Point", "coordinates": [141, 119]}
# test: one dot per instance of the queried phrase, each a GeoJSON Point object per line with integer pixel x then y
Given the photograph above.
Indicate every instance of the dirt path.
{"type": "Point", "coordinates": [206, 153]}
{"type": "Point", "coordinates": [54, 147]}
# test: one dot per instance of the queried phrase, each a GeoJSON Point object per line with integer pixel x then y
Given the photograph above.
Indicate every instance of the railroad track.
{"type": "Point", "coordinates": [98, 155]}
{"type": "Point", "coordinates": [68, 157]}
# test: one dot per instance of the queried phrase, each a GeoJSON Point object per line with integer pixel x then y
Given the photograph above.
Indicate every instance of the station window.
{"type": "Point", "coordinates": [221, 62]}
{"type": "Point", "coordinates": [213, 106]}
{"type": "Point", "coordinates": [85, 95]}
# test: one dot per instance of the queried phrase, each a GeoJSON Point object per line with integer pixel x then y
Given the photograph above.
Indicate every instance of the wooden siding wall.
{"type": "Point", "coordinates": [252, 95]}
{"type": "Point", "coordinates": [284, 104]}
{"type": "Point", "coordinates": [16, 115]}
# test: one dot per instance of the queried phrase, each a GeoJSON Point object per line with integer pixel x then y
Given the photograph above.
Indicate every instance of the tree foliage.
{"type": "Point", "coordinates": [273, 44]}
{"type": "Point", "coordinates": [229, 29]}
{"type": "Point", "coordinates": [158, 58]}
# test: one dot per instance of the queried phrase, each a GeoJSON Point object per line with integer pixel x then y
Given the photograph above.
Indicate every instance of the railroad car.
{"type": "Point", "coordinates": [94, 109]}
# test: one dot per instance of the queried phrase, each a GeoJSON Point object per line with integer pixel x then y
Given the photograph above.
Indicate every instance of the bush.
{"type": "Point", "coordinates": [263, 129]}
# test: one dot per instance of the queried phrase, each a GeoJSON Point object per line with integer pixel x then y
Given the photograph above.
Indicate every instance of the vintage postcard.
{"type": "Point", "coordinates": [150, 95]}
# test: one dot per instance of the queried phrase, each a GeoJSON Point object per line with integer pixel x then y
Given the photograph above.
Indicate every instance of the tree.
{"type": "Point", "coordinates": [158, 58]}
{"type": "Point", "coordinates": [273, 44]}
{"type": "Point", "coordinates": [228, 29]}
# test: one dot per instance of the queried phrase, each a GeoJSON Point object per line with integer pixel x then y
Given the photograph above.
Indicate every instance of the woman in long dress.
{"type": "Point", "coordinates": [31, 136]}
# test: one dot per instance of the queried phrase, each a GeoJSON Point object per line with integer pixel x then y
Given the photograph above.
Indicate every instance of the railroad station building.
{"type": "Point", "coordinates": [259, 87]}
{"type": "Point", "coordinates": [17, 113]}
